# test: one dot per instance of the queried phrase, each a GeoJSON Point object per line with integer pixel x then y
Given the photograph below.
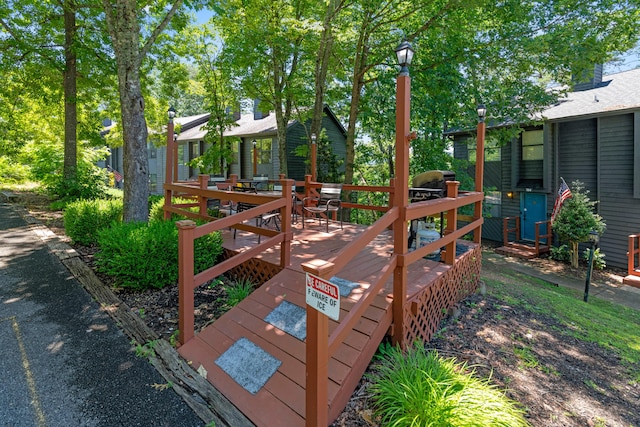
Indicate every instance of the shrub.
{"type": "Point", "coordinates": [560, 253]}
{"type": "Point", "coordinates": [598, 258]}
{"type": "Point", "coordinates": [142, 256]}
{"type": "Point", "coordinates": [419, 388]}
{"type": "Point", "coordinates": [11, 172]}
{"type": "Point", "coordinates": [83, 219]}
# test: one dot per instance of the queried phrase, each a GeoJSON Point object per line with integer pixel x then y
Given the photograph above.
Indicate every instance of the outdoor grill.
{"type": "Point", "coordinates": [430, 185]}
{"type": "Point", "coordinates": [427, 186]}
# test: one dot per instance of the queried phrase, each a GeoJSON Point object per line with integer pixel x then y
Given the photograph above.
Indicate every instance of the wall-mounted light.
{"type": "Point", "coordinates": [510, 195]}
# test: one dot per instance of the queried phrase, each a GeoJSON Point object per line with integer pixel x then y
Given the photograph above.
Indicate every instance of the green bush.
{"type": "Point", "coordinates": [83, 219]}
{"type": "Point", "coordinates": [11, 172]}
{"type": "Point", "coordinates": [560, 253]}
{"type": "Point", "coordinates": [142, 256]}
{"type": "Point", "coordinates": [420, 388]}
{"type": "Point", "coordinates": [598, 258]}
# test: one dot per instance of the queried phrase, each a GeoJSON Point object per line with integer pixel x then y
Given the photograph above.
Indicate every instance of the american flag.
{"type": "Point", "coordinates": [563, 194]}
{"type": "Point", "coordinates": [117, 176]}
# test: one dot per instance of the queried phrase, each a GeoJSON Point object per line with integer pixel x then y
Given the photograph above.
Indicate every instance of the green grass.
{"type": "Point", "coordinates": [612, 326]}
{"type": "Point", "coordinates": [237, 291]}
{"type": "Point", "coordinates": [420, 388]}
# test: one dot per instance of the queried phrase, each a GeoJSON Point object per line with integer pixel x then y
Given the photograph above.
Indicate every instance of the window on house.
{"type": "Point", "coordinates": [492, 150]}
{"type": "Point", "coordinates": [493, 203]}
{"type": "Point", "coordinates": [153, 151]}
{"type": "Point", "coordinates": [532, 145]}
{"type": "Point", "coordinates": [264, 150]}
{"type": "Point", "coordinates": [153, 181]}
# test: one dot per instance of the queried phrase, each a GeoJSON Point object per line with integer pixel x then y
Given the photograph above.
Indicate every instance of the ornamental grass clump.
{"type": "Point", "coordinates": [420, 388]}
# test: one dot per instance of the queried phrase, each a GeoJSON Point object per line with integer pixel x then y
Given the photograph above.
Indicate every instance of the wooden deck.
{"type": "Point", "coordinates": [282, 399]}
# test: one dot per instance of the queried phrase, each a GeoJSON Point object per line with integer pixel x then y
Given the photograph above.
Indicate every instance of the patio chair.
{"type": "Point", "coordinates": [294, 200]}
{"type": "Point", "coordinates": [329, 201]}
{"type": "Point", "coordinates": [262, 220]}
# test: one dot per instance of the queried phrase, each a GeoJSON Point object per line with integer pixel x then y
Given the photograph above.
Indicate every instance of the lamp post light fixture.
{"type": "Point", "coordinates": [255, 157]}
{"type": "Point", "coordinates": [171, 113]}
{"type": "Point", "coordinates": [404, 54]}
{"type": "Point", "coordinates": [314, 157]}
{"type": "Point", "coordinates": [594, 239]}
{"type": "Point", "coordinates": [480, 133]}
{"type": "Point", "coordinates": [482, 112]}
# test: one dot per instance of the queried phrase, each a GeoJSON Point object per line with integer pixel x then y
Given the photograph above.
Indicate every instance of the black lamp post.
{"type": "Point", "coordinates": [169, 178]}
{"type": "Point", "coordinates": [594, 238]}
{"type": "Point", "coordinates": [314, 157]}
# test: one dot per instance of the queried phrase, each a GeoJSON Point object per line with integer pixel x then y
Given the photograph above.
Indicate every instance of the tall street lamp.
{"type": "Point", "coordinates": [314, 154]}
{"type": "Point", "coordinates": [594, 239]}
{"type": "Point", "coordinates": [404, 55]}
{"type": "Point", "coordinates": [481, 130]}
{"type": "Point", "coordinates": [171, 113]}
{"type": "Point", "coordinates": [255, 157]}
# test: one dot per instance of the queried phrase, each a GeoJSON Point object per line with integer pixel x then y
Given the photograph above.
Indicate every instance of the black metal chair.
{"type": "Point", "coordinates": [328, 202]}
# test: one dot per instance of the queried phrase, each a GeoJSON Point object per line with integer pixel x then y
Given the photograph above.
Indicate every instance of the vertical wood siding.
{"type": "Point", "coordinates": [617, 205]}
{"type": "Point", "coordinates": [577, 156]}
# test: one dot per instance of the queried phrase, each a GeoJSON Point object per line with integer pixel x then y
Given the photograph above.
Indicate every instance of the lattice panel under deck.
{"type": "Point", "coordinates": [255, 270]}
{"type": "Point", "coordinates": [424, 312]}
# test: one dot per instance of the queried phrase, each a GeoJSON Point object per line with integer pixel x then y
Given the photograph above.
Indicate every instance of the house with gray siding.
{"type": "Point", "coordinates": [260, 127]}
{"type": "Point", "coordinates": [591, 135]}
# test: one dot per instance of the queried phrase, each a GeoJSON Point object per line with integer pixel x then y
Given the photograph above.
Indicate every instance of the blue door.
{"type": "Point", "coordinates": [534, 209]}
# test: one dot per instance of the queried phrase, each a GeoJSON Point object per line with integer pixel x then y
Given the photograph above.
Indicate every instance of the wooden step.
{"type": "Point", "coordinates": [516, 250]}
{"type": "Point", "coordinates": [632, 280]}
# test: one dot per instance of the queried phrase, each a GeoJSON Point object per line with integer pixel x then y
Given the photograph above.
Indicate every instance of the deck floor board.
{"type": "Point", "coordinates": [281, 400]}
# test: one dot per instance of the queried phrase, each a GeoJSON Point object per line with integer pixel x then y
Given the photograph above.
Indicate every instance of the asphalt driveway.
{"type": "Point", "coordinates": [63, 361]}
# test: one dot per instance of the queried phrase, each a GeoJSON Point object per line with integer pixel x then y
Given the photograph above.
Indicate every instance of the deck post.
{"type": "Point", "coordinates": [186, 285]}
{"type": "Point", "coordinates": [401, 199]}
{"type": "Point", "coordinates": [202, 200]}
{"type": "Point", "coordinates": [285, 222]}
{"type": "Point", "coordinates": [317, 381]}
{"type": "Point", "coordinates": [477, 211]}
{"type": "Point", "coordinates": [168, 173]}
{"type": "Point", "coordinates": [452, 221]}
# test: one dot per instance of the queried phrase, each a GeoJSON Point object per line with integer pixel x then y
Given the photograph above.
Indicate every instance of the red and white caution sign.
{"type": "Point", "coordinates": [323, 296]}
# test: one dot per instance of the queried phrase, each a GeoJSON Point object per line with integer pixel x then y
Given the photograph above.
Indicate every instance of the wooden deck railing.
{"type": "Point", "coordinates": [546, 237]}
{"type": "Point", "coordinates": [320, 345]}
{"type": "Point", "coordinates": [506, 230]}
{"type": "Point", "coordinates": [633, 255]}
{"type": "Point", "coordinates": [188, 281]}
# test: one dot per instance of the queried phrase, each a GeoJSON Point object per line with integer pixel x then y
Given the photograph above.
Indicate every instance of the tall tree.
{"type": "Point", "coordinates": [264, 47]}
{"type": "Point", "coordinates": [46, 35]}
{"type": "Point", "coordinates": [123, 18]}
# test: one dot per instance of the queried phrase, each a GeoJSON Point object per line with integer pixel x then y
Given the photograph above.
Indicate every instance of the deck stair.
{"type": "Point", "coordinates": [281, 400]}
{"type": "Point", "coordinates": [270, 388]}
{"type": "Point", "coordinates": [522, 250]}
{"type": "Point", "coordinates": [633, 255]}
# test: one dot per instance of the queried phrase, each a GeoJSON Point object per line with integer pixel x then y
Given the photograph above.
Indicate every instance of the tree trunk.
{"type": "Point", "coordinates": [70, 93]}
{"type": "Point", "coordinates": [322, 65]}
{"type": "Point", "coordinates": [575, 256]}
{"type": "Point", "coordinates": [125, 33]}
